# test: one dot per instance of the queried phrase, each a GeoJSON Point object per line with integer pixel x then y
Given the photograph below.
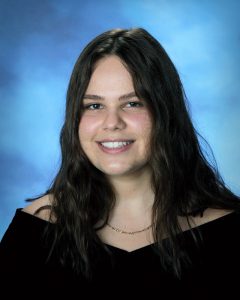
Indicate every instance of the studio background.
{"type": "Point", "coordinates": [40, 42]}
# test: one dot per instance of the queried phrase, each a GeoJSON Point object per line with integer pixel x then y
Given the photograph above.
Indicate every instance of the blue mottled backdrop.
{"type": "Point", "coordinates": [40, 41]}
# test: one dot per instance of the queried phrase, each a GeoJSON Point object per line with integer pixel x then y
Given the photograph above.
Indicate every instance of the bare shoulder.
{"type": "Point", "coordinates": [45, 203]}
{"type": "Point", "coordinates": [210, 214]}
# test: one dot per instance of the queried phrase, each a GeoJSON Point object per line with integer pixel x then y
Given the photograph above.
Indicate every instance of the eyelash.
{"type": "Point", "coordinates": [139, 104]}
{"type": "Point", "coordinates": [88, 106]}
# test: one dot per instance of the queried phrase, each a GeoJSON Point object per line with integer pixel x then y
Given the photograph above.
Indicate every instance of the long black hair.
{"type": "Point", "coordinates": [184, 182]}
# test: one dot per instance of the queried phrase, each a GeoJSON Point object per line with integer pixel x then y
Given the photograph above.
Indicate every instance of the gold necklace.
{"type": "Point", "coordinates": [128, 232]}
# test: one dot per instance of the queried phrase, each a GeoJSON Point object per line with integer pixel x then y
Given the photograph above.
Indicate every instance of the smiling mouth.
{"type": "Point", "coordinates": [115, 144]}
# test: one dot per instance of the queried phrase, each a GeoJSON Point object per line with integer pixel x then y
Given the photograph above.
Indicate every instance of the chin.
{"type": "Point", "coordinates": [120, 172]}
{"type": "Point", "coordinates": [121, 169]}
{"type": "Point", "coordinates": [115, 172]}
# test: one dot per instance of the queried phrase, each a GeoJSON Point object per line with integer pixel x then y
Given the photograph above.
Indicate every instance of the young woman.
{"type": "Point", "coordinates": [135, 207]}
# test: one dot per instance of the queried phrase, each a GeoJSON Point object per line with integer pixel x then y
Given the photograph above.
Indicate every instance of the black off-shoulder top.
{"type": "Point", "coordinates": [213, 274]}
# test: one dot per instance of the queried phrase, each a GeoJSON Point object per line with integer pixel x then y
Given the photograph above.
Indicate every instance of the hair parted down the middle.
{"type": "Point", "coordinates": [184, 183]}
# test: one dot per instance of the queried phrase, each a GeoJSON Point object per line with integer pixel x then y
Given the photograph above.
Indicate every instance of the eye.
{"type": "Point", "coordinates": [134, 104]}
{"type": "Point", "coordinates": [93, 106]}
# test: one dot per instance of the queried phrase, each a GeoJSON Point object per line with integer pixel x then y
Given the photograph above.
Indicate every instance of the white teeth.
{"type": "Point", "coordinates": [114, 145]}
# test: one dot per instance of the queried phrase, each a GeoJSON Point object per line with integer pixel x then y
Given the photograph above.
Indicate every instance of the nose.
{"type": "Point", "coordinates": [113, 120]}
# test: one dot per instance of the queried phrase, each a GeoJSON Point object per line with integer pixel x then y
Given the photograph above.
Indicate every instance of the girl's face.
{"type": "Point", "coordinates": [115, 127]}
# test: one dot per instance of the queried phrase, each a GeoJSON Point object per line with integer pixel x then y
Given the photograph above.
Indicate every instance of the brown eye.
{"type": "Point", "coordinates": [93, 106]}
{"type": "Point", "coordinates": [135, 104]}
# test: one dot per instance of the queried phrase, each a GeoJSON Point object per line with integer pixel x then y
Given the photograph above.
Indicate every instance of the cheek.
{"type": "Point", "coordinates": [142, 123]}
{"type": "Point", "coordinates": [87, 128]}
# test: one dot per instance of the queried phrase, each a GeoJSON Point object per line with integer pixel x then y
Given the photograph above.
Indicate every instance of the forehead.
{"type": "Point", "coordinates": [110, 74]}
{"type": "Point", "coordinates": [108, 61]}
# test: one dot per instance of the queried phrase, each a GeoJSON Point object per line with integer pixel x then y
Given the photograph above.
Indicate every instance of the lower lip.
{"type": "Point", "coordinates": [115, 150]}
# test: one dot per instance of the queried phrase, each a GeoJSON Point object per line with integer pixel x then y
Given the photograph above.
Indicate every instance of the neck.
{"type": "Point", "coordinates": [134, 199]}
{"type": "Point", "coordinates": [132, 188]}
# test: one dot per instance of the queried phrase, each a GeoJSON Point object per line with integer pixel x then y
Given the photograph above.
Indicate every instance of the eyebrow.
{"type": "Point", "coordinates": [96, 97]}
